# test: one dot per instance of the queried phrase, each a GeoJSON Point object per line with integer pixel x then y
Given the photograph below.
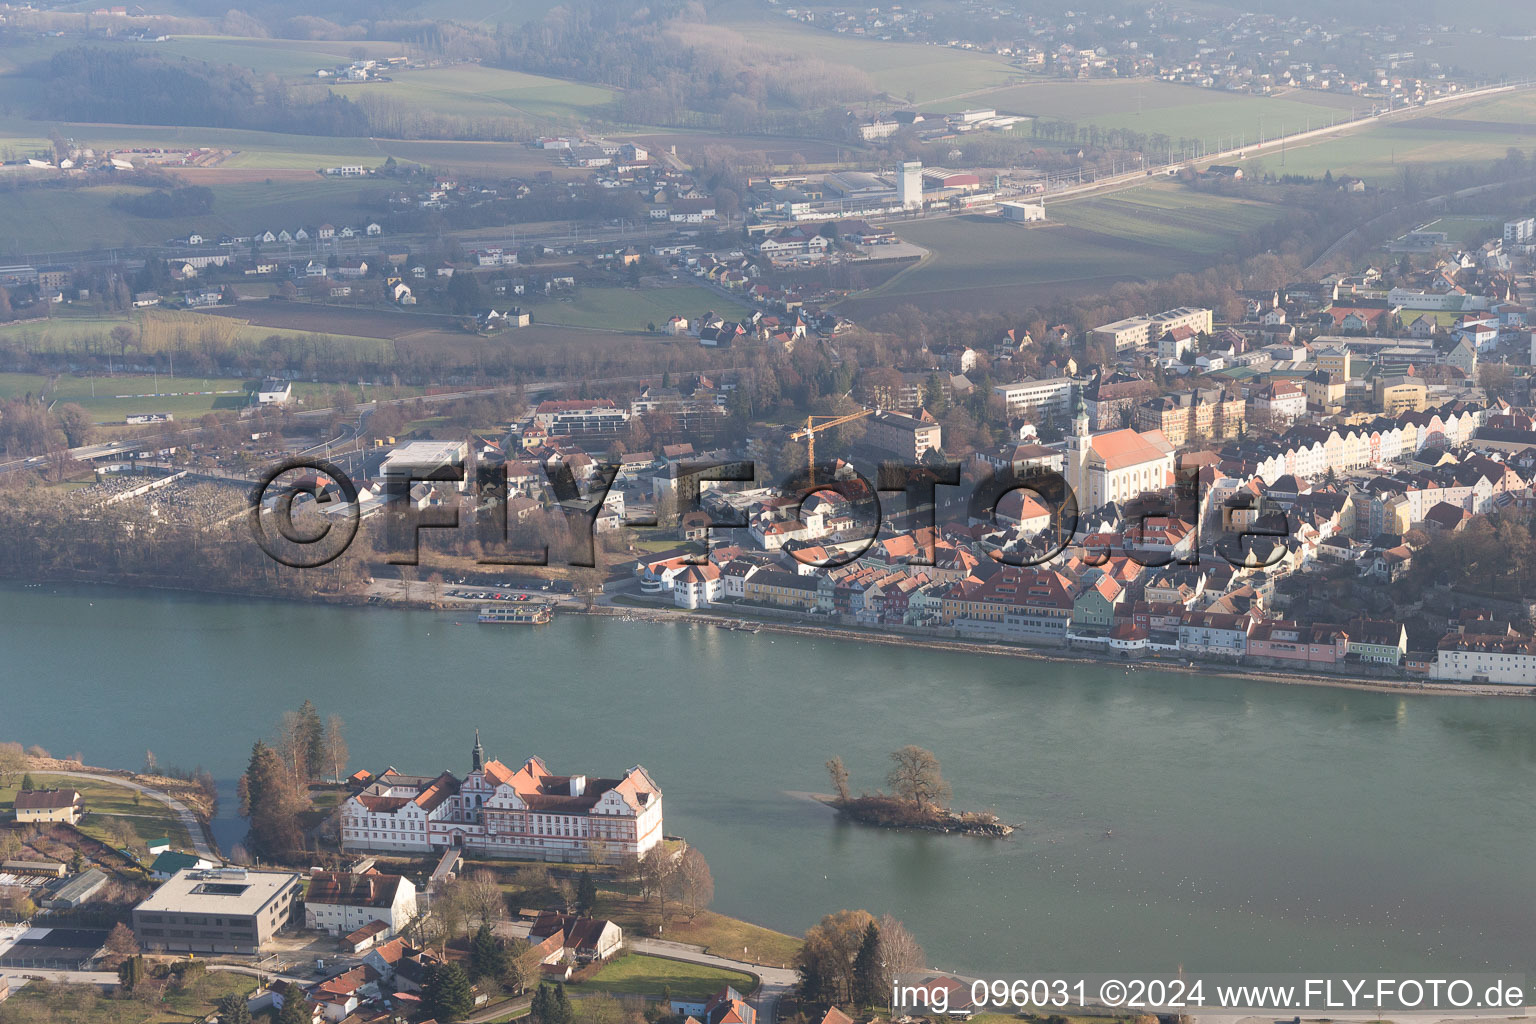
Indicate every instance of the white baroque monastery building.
{"type": "Point", "coordinates": [527, 813]}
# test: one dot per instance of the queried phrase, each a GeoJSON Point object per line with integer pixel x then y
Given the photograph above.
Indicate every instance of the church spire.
{"type": "Point", "coordinates": [477, 756]}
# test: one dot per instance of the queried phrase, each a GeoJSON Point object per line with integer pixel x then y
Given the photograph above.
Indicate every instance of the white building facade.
{"type": "Point", "coordinates": [528, 813]}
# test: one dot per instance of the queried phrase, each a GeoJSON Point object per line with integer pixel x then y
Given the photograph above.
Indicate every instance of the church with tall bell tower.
{"type": "Point", "coordinates": [1115, 465]}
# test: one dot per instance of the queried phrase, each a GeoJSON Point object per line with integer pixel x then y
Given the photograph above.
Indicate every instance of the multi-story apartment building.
{"type": "Point", "coordinates": [1201, 413]}
{"type": "Point", "coordinates": [1215, 634]}
{"type": "Point", "coordinates": [1136, 331]}
{"type": "Point", "coordinates": [1472, 658]}
{"type": "Point", "coordinates": [909, 437]}
{"type": "Point", "coordinates": [1277, 404]}
{"type": "Point", "coordinates": [1036, 400]}
{"type": "Point", "coordinates": [698, 412]}
{"type": "Point", "coordinates": [495, 810]}
{"type": "Point", "coordinates": [784, 589]}
{"type": "Point", "coordinates": [1400, 394]}
{"type": "Point", "coordinates": [904, 391]}
{"type": "Point", "coordinates": [1110, 400]}
{"type": "Point", "coordinates": [589, 416]}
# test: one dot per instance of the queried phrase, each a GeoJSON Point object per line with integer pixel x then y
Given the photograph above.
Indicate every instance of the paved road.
{"type": "Point", "coordinates": [15, 975]}
{"type": "Point", "coordinates": [775, 981]}
{"type": "Point", "coordinates": [268, 976]}
{"type": "Point", "coordinates": [200, 842]}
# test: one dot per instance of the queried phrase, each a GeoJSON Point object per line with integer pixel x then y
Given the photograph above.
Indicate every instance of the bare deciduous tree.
{"type": "Point", "coordinates": [899, 952]}
{"type": "Point", "coordinates": [599, 1009]}
{"type": "Point", "coordinates": [656, 873]}
{"type": "Point", "coordinates": [694, 881]}
{"type": "Point", "coordinates": [13, 761]}
{"type": "Point", "coordinates": [290, 744]}
{"type": "Point", "coordinates": [483, 899]}
{"type": "Point", "coordinates": [121, 945]}
{"type": "Point", "coordinates": [336, 752]}
{"type": "Point", "coordinates": [839, 776]}
{"type": "Point", "coordinates": [522, 965]}
{"type": "Point", "coordinates": [915, 776]}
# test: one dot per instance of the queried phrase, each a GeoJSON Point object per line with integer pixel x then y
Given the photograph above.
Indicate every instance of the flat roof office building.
{"type": "Point", "coordinates": [218, 910]}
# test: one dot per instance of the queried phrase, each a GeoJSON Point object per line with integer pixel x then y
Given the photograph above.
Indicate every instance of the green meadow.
{"type": "Point", "coordinates": [58, 219]}
{"type": "Point", "coordinates": [931, 74]}
{"type": "Point", "coordinates": [1156, 230]}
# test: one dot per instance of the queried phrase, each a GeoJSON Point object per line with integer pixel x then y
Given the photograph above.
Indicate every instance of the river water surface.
{"type": "Point", "coordinates": [1168, 819]}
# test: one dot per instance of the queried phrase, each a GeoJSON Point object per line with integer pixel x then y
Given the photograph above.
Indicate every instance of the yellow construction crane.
{"type": "Point", "coordinates": [809, 433]}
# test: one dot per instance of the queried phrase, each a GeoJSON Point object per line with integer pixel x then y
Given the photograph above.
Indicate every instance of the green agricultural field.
{"type": "Point", "coordinates": [1178, 111]}
{"type": "Point", "coordinates": [933, 75]}
{"type": "Point", "coordinates": [983, 254]}
{"type": "Point", "coordinates": [50, 219]}
{"type": "Point", "coordinates": [637, 974]}
{"type": "Point", "coordinates": [631, 309]}
{"type": "Point", "coordinates": [276, 56]}
{"type": "Point", "coordinates": [1170, 216]}
{"type": "Point", "coordinates": [1468, 229]}
{"type": "Point", "coordinates": [1149, 232]}
{"type": "Point", "coordinates": [1482, 130]}
{"type": "Point", "coordinates": [255, 154]}
{"type": "Point", "coordinates": [471, 90]}
{"type": "Point", "coordinates": [253, 151]}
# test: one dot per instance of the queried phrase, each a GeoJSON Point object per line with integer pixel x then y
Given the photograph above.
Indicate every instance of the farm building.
{"type": "Point", "coordinates": [1022, 212]}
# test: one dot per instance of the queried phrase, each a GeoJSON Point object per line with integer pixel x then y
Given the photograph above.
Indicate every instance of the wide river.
{"type": "Point", "coordinates": [1168, 819]}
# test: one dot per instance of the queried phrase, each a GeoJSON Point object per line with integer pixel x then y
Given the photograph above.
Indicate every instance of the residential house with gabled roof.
{"type": "Point", "coordinates": [168, 862]}
{"type": "Point", "coordinates": [340, 902]}
{"type": "Point", "coordinates": [582, 939]}
{"type": "Point", "coordinates": [725, 1006]}
{"type": "Point", "coordinates": [338, 997]}
{"type": "Point", "coordinates": [1377, 641]}
{"type": "Point", "coordinates": [45, 805]}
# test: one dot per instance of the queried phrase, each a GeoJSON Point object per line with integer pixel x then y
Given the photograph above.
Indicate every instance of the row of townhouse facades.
{"type": "Point", "coordinates": [1312, 451]}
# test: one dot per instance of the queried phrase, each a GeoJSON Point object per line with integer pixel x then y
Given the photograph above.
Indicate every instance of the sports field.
{"type": "Point", "coordinates": [109, 398]}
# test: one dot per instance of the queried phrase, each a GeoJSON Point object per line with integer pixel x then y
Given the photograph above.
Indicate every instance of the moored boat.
{"type": "Point", "coordinates": [526, 615]}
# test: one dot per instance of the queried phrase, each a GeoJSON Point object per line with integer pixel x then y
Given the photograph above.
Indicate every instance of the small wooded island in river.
{"type": "Point", "coordinates": [920, 799]}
